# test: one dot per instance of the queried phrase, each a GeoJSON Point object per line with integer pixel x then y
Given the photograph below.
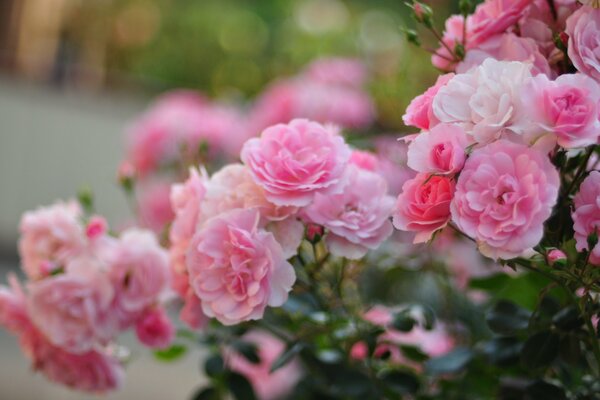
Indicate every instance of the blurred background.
{"type": "Point", "coordinates": [74, 73]}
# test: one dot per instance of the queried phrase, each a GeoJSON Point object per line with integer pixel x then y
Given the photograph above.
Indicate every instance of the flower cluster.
{"type": "Point", "coordinates": [83, 288]}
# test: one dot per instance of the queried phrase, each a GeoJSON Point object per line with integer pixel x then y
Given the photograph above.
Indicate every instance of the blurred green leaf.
{"type": "Point", "coordinates": [173, 353]}
{"type": "Point", "coordinates": [287, 356]}
{"type": "Point", "coordinates": [239, 387]}
{"type": "Point", "coordinates": [540, 349]}
{"type": "Point", "coordinates": [450, 363]}
{"type": "Point", "coordinates": [507, 318]}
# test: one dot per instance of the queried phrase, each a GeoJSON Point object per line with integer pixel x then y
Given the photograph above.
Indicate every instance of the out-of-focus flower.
{"type": "Point", "coordinates": [586, 216]}
{"type": "Point", "coordinates": [584, 41]}
{"type": "Point", "coordinates": [154, 328]}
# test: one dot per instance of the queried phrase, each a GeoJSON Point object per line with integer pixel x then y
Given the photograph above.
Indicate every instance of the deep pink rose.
{"type": "Point", "coordinates": [50, 236]}
{"type": "Point", "coordinates": [267, 385]}
{"type": "Point", "coordinates": [567, 107]}
{"type": "Point", "coordinates": [441, 150]}
{"type": "Point", "coordinates": [356, 219]}
{"type": "Point", "coordinates": [494, 16]}
{"type": "Point", "coordinates": [583, 28]}
{"type": "Point", "coordinates": [293, 162]}
{"type": "Point", "coordinates": [423, 206]}
{"type": "Point", "coordinates": [419, 112]}
{"type": "Point", "coordinates": [154, 328]}
{"type": "Point", "coordinates": [238, 269]}
{"type": "Point", "coordinates": [586, 216]}
{"type": "Point", "coordinates": [504, 194]}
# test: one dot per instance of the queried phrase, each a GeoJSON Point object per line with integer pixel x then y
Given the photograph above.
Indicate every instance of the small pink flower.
{"type": "Point", "coordinates": [356, 219]}
{"type": "Point", "coordinates": [555, 255]}
{"type": "Point", "coordinates": [154, 329]}
{"type": "Point", "coordinates": [50, 235]}
{"type": "Point", "coordinates": [293, 162]}
{"type": "Point", "coordinates": [586, 216]}
{"type": "Point", "coordinates": [96, 227]}
{"type": "Point", "coordinates": [504, 194]}
{"type": "Point", "coordinates": [584, 41]}
{"type": "Point", "coordinates": [314, 231]}
{"type": "Point", "coordinates": [154, 205]}
{"type": "Point", "coordinates": [442, 150]}
{"type": "Point", "coordinates": [238, 269]}
{"type": "Point", "coordinates": [419, 112]}
{"type": "Point", "coordinates": [567, 107]}
{"type": "Point", "coordinates": [267, 385]}
{"type": "Point", "coordinates": [423, 206]}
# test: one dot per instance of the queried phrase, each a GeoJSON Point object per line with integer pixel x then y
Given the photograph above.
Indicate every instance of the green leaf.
{"type": "Point", "coordinates": [568, 319]}
{"type": "Point", "coordinates": [171, 354]}
{"type": "Point", "coordinates": [503, 351]}
{"type": "Point", "coordinates": [507, 318]}
{"type": "Point", "coordinates": [414, 353]}
{"type": "Point", "coordinates": [540, 349]}
{"type": "Point", "coordinates": [570, 349]}
{"type": "Point", "coordinates": [546, 391]}
{"type": "Point", "coordinates": [401, 382]}
{"type": "Point", "coordinates": [452, 362]}
{"type": "Point", "coordinates": [248, 350]}
{"type": "Point", "coordinates": [286, 356]}
{"type": "Point", "coordinates": [403, 321]}
{"type": "Point", "coordinates": [208, 393]}
{"type": "Point", "coordinates": [214, 366]}
{"type": "Point", "coordinates": [239, 387]}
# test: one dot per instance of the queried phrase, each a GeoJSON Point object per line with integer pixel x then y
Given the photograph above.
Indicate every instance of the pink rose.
{"type": "Point", "coordinates": [419, 112]}
{"type": "Point", "coordinates": [238, 269]}
{"type": "Point", "coordinates": [191, 313]}
{"type": "Point", "coordinates": [267, 385]}
{"type": "Point", "coordinates": [423, 206]}
{"type": "Point", "coordinates": [507, 47]}
{"type": "Point", "coordinates": [293, 162]}
{"type": "Point", "coordinates": [72, 309]}
{"type": "Point", "coordinates": [583, 28]}
{"type": "Point", "coordinates": [154, 204]}
{"type": "Point", "coordinates": [13, 307]}
{"type": "Point", "coordinates": [494, 16]}
{"type": "Point", "coordinates": [392, 155]}
{"type": "Point", "coordinates": [49, 237]}
{"type": "Point", "coordinates": [504, 194]}
{"type": "Point", "coordinates": [440, 151]}
{"type": "Point", "coordinates": [185, 201]}
{"type": "Point", "coordinates": [154, 329]}
{"type": "Point", "coordinates": [365, 160]}
{"type": "Point", "coordinates": [555, 255]}
{"type": "Point", "coordinates": [453, 35]}
{"type": "Point", "coordinates": [139, 271]}
{"type": "Point", "coordinates": [337, 71]}
{"type": "Point", "coordinates": [586, 216]}
{"type": "Point", "coordinates": [358, 218]}
{"type": "Point", "coordinates": [567, 107]}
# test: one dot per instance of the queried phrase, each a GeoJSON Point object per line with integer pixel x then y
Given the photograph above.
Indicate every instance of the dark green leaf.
{"type": "Point", "coordinates": [502, 351]}
{"type": "Point", "coordinates": [239, 387]}
{"type": "Point", "coordinates": [570, 349]}
{"type": "Point", "coordinates": [286, 356]}
{"type": "Point", "coordinates": [507, 318]}
{"type": "Point", "coordinates": [171, 354]}
{"type": "Point", "coordinates": [414, 353]}
{"type": "Point", "coordinates": [248, 350]}
{"type": "Point", "coordinates": [214, 366]}
{"type": "Point", "coordinates": [452, 362]}
{"type": "Point", "coordinates": [568, 319]}
{"type": "Point", "coordinates": [546, 391]}
{"type": "Point", "coordinates": [540, 349]}
{"type": "Point", "coordinates": [403, 321]}
{"type": "Point", "coordinates": [401, 382]}
{"type": "Point", "coordinates": [208, 393]}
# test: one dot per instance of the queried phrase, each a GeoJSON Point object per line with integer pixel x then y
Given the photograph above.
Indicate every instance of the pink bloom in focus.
{"type": "Point", "coordinates": [567, 107]}
{"type": "Point", "coordinates": [293, 162]}
{"type": "Point", "coordinates": [583, 28]}
{"type": "Point", "coordinates": [504, 194]}
{"type": "Point", "coordinates": [238, 269]}
{"type": "Point", "coordinates": [442, 150]}
{"type": "Point", "coordinates": [49, 237]}
{"type": "Point", "coordinates": [154, 329]}
{"type": "Point", "coordinates": [267, 385]}
{"type": "Point", "coordinates": [555, 255]}
{"type": "Point", "coordinates": [492, 17]}
{"type": "Point", "coordinates": [423, 206]}
{"type": "Point", "coordinates": [337, 71]}
{"type": "Point", "coordinates": [419, 112]}
{"type": "Point", "coordinates": [358, 218]}
{"type": "Point", "coordinates": [586, 216]}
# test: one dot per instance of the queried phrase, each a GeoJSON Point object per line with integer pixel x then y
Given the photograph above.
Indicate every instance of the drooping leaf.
{"type": "Point", "coordinates": [507, 318]}
{"type": "Point", "coordinates": [540, 349]}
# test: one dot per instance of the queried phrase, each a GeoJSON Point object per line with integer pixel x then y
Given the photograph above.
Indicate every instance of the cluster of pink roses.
{"type": "Point", "coordinates": [488, 131]}
{"type": "Point", "coordinates": [84, 288]}
{"type": "Point", "coordinates": [233, 232]}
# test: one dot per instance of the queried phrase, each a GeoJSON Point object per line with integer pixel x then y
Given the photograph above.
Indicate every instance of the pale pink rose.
{"type": "Point", "coordinates": [191, 313]}
{"type": "Point", "coordinates": [365, 160]}
{"type": "Point", "coordinates": [419, 112]}
{"type": "Point", "coordinates": [238, 269]}
{"type": "Point", "coordinates": [267, 385]}
{"type": "Point", "coordinates": [504, 194]}
{"type": "Point", "coordinates": [567, 107]}
{"type": "Point", "coordinates": [154, 204]}
{"type": "Point", "coordinates": [507, 47]}
{"type": "Point", "coordinates": [486, 100]}
{"type": "Point", "coordinates": [393, 157]}
{"type": "Point", "coordinates": [494, 16]}
{"type": "Point", "coordinates": [454, 34]}
{"type": "Point", "coordinates": [555, 255]}
{"type": "Point", "coordinates": [293, 162]}
{"type": "Point", "coordinates": [288, 233]}
{"type": "Point", "coordinates": [442, 150]}
{"type": "Point", "coordinates": [423, 206]}
{"type": "Point", "coordinates": [539, 22]}
{"type": "Point", "coordinates": [586, 216]}
{"type": "Point", "coordinates": [185, 199]}
{"type": "Point", "coordinates": [356, 219]}
{"type": "Point", "coordinates": [72, 309]}
{"type": "Point", "coordinates": [49, 237]}
{"type": "Point", "coordinates": [154, 328]}
{"type": "Point", "coordinates": [583, 28]}
{"type": "Point", "coordinates": [338, 71]}
{"type": "Point", "coordinates": [233, 187]}
{"type": "Point", "coordinates": [139, 271]}
{"type": "Point", "coordinates": [13, 307]}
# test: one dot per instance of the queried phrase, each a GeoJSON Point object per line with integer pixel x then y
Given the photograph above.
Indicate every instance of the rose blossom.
{"type": "Point", "coordinates": [567, 107]}
{"type": "Point", "coordinates": [154, 329]}
{"type": "Point", "coordinates": [494, 16]}
{"type": "Point", "coordinates": [441, 150]}
{"type": "Point", "coordinates": [293, 162]}
{"type": "Point", "coordinates": [237, 268]}
{"type": "Point", "coordinates": [485, 100]}
{"type": "Point", "coordinates": [419, 112]}
{"type": "Point", "coordinates": [267, 385]}
{"type": "Point", "coordinates": [392, 156]}
{"type": "Point", "coordinates": [356, 219]}
{"type": "Point", "coordinates": [154, 204]}
{"type": "Point", "coordinates": [49, 236]}
{"type": "Point", "coordinates": [504, 194]}
{"type": "Point", "coordinates": [583, 28]}
{"type": "Point", "coordinates": [424, 205]}
{"type": "Point", "coordinates": [555, 255]}
{"type": "Point", "coordinates": [364, 160]}
{"type": "Point", "coordinates": [453, 34]}
{"type": "Point", "coordinates": [586, 216]}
